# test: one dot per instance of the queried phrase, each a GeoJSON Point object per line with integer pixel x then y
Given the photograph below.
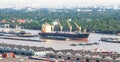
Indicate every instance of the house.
{"type": "Point", "coordinates": [43, 51]}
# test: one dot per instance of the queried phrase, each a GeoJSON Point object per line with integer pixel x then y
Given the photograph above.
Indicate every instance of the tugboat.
{"type": "Point", "coordinates": [49, 33]}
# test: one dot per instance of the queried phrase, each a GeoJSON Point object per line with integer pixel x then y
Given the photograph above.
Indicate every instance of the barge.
{"type": "Point", "coordinates": [108, 39]}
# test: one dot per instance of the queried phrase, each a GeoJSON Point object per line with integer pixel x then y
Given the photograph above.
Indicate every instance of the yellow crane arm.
{"type": "Point", "coordinates": [70, 27]}
{"type": "Point", "coordinates": [79, 27]}
{"type": "Point", "coordinates": [76, 24]}
{"type": "Point", "coordinates": [61, 27]}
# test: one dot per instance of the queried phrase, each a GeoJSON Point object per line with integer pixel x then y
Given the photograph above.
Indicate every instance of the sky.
{"type": "Point", "coordinates": [57, 3]}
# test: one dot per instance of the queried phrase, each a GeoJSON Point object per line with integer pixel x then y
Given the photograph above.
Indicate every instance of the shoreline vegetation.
{"type": "Point", "coordinates": [106, 22]}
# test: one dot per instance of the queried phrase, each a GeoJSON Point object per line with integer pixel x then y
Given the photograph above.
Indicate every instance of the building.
{"type": "Point", "coordinates": [67, 55]}
{"type": "Point", "coordinates": [25, 50]}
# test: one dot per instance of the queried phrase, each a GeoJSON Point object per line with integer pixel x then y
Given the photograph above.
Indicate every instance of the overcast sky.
{"type": "Point", "coordinates": [57, 3]}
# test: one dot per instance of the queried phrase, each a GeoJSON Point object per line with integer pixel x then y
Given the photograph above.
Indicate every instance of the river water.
{"type": "Point", "coordinates": [58, 44]}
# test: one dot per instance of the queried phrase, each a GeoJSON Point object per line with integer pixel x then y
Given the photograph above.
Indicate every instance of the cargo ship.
{"type": "Point", "coordinates": [48, 32]}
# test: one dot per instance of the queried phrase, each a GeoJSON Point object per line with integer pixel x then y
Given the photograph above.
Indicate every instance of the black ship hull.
{"type": "Point", "coordinates": [64, 36]}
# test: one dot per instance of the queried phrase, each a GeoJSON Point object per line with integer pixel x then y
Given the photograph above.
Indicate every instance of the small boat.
{"type": "Point", "coordinates": [83, 44]}
{"type": "Point", "coordinates": [72, 44]}
{"type": "Point", "coordinates": [26, 35]}
{"type": "Point", "coordinates": [95, 43]}
{"type": "Point", "coordinates": [88, 44]}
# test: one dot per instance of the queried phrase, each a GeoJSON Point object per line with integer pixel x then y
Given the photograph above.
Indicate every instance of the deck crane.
{"type": "Point", "coordinates": [53, 25]}
{"type": "Point", "coordinates": [70, 27]}
{"type": "Point", "coordinates": [53, 28]}
{"type": "Point", "coordinates": [61, 27]}
{"type": "Point", "coordinates": [78, 27]}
